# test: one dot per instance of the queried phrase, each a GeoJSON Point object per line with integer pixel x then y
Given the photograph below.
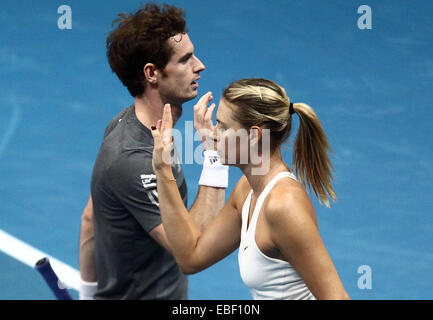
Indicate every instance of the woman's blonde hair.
{"type": "Point", "coordinates": [261, 102]}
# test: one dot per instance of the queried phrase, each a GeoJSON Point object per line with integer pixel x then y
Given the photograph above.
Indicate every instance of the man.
{"type": "Point", "coordinates": [124, 252]}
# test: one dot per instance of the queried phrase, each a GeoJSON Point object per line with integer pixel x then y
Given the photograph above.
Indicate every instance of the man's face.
{"type": "Point", "coordinates": [177, 83]}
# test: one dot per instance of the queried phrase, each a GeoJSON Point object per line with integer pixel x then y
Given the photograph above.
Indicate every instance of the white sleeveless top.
{"type": "Point", "coordinates": [267, 278]}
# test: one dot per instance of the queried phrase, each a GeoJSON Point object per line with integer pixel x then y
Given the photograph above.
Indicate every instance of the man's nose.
{"type": "Point", "coordinates": [200, 66]}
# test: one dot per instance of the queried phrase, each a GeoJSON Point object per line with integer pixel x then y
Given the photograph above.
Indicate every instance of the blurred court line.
{"type": "Point", "coordinates": [29, 255]}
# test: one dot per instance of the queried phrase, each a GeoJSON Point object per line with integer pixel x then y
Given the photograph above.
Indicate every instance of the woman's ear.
{"type": "Point", "coordinates": [150, 73]}
{"type": "Point", "coordinates": [255, 136]}
{"type": "Point", "coordinates": [256, 148]}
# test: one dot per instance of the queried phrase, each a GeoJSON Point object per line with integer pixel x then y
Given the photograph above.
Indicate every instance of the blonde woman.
{"type": "Point", "coordinates": [269, 216]}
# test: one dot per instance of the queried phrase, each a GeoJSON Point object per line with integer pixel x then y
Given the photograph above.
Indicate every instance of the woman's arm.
{"type": "Point", "coordinates": [290, 215]}
{"type": "Point", "coordinates": [209, 200]}
{"type": "Point", "coordinates": [194, 250]}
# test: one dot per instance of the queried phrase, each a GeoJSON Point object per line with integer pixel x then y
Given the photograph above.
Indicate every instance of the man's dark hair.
{"type": "Point", "coordinates": [141, 38]}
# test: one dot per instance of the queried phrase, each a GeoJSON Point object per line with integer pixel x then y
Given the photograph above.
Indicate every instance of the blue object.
{"type": "Point", "coordinates": [50, 277]}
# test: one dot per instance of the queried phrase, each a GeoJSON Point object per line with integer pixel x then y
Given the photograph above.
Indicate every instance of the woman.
{"type": "Point", "coordinates": [269, 216]}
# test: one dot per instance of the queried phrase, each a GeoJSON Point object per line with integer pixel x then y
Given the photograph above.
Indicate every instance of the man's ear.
{"type": "Point", "coordinates": [150, 73]}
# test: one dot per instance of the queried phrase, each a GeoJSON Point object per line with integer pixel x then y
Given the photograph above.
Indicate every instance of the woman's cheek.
{"type": "Point", "coordinates": [222, 146]}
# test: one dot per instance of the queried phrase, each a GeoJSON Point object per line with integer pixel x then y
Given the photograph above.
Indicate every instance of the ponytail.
{"type": "Point", "coordinates": [310, 158]}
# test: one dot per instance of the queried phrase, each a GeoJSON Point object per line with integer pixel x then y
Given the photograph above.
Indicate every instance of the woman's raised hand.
{"type": "Point", "coordinates": [203, 121]}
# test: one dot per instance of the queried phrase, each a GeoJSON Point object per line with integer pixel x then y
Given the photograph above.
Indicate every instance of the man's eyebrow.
{"type": "Point", "coordinates": [186, 56]}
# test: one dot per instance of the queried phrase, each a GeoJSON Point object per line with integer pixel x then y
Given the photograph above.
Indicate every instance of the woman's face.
{"type": "Point", "coordinates": [232, 138]}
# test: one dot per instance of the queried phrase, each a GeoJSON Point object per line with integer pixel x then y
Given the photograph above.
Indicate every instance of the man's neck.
{"type": "Point", "coordinates": [149, 109]}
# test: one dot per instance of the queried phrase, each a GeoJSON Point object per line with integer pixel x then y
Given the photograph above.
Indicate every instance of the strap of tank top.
{"type": "Point", "coordinates": [246, 211]}
{"type": "Point", "coordinates": [263, 195]}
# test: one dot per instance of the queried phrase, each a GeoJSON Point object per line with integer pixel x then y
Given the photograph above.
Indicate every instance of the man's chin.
{"type": "Point", "coordinates": [194, 93]}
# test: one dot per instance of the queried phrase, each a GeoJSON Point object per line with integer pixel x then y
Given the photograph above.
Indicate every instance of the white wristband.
{"type": "Point", "coordinates": [87, 290]}
{"type": "Point", "coordinates": [214, 173]}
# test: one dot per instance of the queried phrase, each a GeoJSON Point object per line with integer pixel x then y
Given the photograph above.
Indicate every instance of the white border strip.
{"type": "Point", "coordinates": [29, 255]}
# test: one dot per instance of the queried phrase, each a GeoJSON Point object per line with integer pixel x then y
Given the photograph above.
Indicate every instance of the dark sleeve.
{"type": "Point", "coordinates": [132, 179]}
{"type": "Point", "coordinates": [114, 122]}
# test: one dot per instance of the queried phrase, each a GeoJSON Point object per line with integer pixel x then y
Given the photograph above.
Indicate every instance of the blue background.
{"type": "Point", "coordinates": [372, 90]}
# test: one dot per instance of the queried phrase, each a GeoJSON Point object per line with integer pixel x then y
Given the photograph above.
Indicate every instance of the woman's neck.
{"type": "Point", "coordinates": [259, 181]}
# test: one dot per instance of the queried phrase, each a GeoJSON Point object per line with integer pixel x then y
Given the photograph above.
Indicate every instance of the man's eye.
{"type": "Point", "coordinates": [185, 59]}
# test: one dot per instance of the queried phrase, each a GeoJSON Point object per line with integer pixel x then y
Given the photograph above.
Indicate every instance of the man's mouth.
{"type": "Point", "coordinates": [195, 83]}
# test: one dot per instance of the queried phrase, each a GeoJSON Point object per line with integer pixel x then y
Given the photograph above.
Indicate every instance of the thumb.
{"type": "Point", "coordinates": [157, 141]}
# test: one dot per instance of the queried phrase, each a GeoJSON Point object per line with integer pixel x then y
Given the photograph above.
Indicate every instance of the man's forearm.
{"type": "Point", "coordinates": [87, 259]}
{"type": "Point", "coordinates": [207, 205]}
{"type": "Point", "coordinates": [86, 253]}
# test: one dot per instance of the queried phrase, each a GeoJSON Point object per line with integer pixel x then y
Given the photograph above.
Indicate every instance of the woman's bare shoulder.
{"type": "Point", "coordinates": [288, 200]}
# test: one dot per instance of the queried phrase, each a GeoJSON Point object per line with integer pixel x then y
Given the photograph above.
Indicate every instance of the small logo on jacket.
{"type": "Point", "coordinates": [148, 181]}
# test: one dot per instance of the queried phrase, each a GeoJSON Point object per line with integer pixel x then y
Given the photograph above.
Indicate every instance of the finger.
{"type": "Point", "coordinates": [158, 125]}
{"type": "Point", "coordinates": [209, 112]}
{"type": "Point", "coordinates": [204, 97]}
{"type": "Point", "coordinates": [167, 124]}
{"type": "Point", "coordinates": [167, 119]}
{"type": "Point", "coordinates": [200, 109]}
{"type": "Point", "coordinates": [203, 104]}
{"type": "Point", "coordinates": [195, 116]}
